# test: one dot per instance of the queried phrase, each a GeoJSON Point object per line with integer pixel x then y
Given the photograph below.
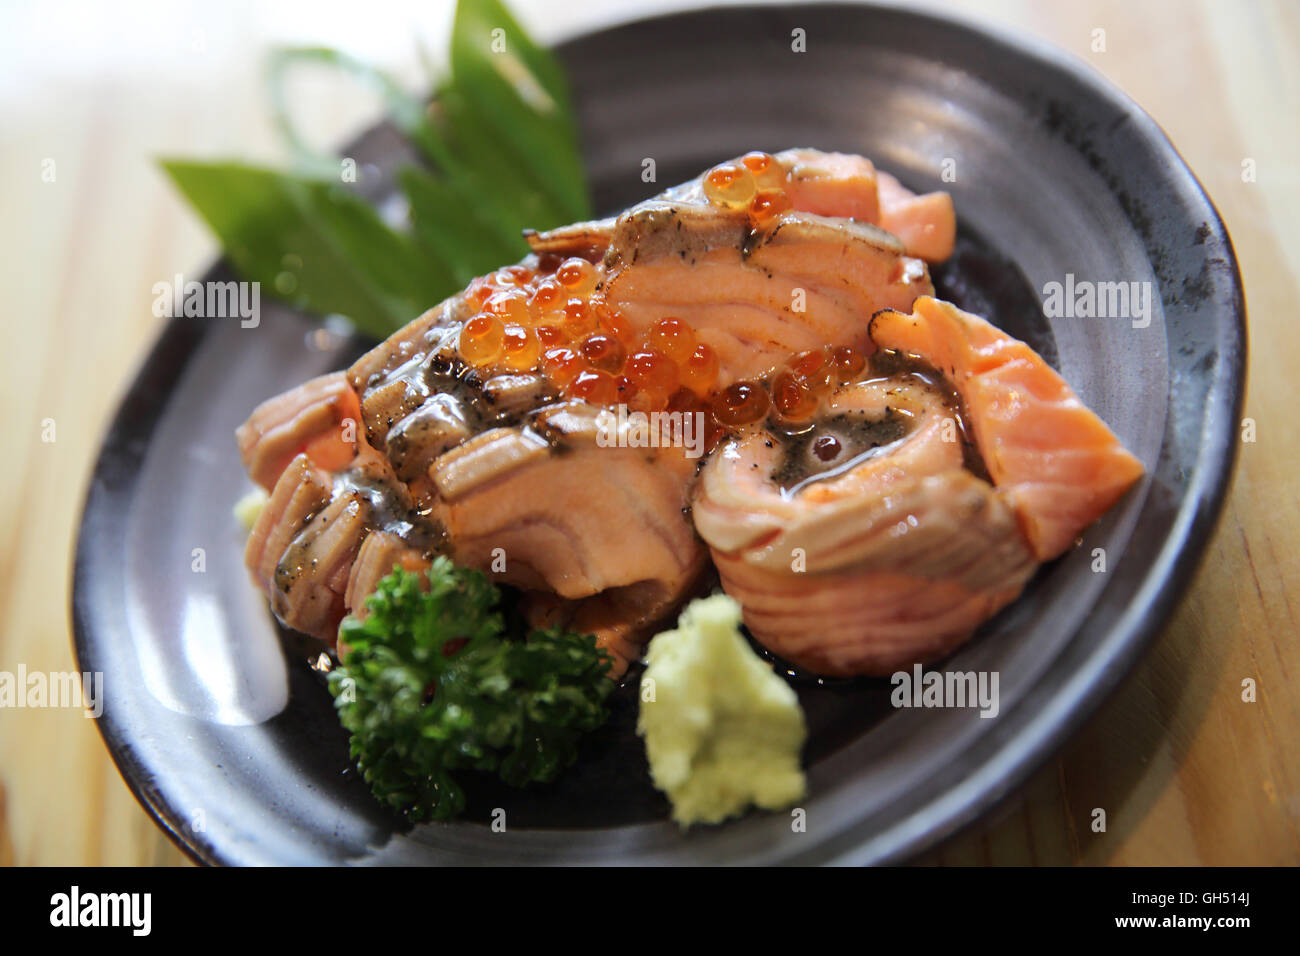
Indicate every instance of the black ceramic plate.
{"type": "Point", "coordinates": [230, 740]}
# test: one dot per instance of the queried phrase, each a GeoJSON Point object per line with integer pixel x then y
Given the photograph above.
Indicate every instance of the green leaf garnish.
{"type": "Point", "coordinates": [429, 687]}
{"type": "Point", "coordinates": [502, 156]}
{"type": "Point", "coordinates": [313, 243]}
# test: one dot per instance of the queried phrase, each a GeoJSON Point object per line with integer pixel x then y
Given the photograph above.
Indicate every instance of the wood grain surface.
{"type": "Point", "coordinates": [1185, 770]}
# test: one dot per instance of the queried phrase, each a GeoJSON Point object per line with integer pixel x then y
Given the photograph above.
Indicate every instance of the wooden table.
{"type": "Point", "coordinates": [1187, 772]}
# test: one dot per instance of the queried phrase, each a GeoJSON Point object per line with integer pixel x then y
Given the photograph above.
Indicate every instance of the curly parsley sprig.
{"type": "Point", "coordinates": [428, 686]}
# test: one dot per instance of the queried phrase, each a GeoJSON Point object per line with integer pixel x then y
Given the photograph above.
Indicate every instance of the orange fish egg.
{"type": "Point", "coordinates": [578, 276]}
{"type": "Point", "coordinates": [547, 296]}
{"type": "Point", "coordinates": [604, 352]}
{"type": "Point", "coordinates": [520, 349]}
{"type": "Point", "coordinates": [688, 403]}
{"type": "Point", "coordinates": [649, 402]}
{"type": "Point", "coordinates": [767, 204]}
{"type": "Point", "coordinates": [550, 336]}
{"type": "Point", "coordinates": [638, 398]}
{"type": "Point", "coordinates": [684, 400]}
{"type": "Point", "coordinates": [654, 371]}
{"type": "Point", "coordinates": [510, 305]}
{"type": "Point", "coordinates": [848, 363]}
{"type": "Point", "coordinates": [579, 318]}
{"type": "Point", "coordinates": [674, 338]}
{"type": "Point", "coordinates": [480, 340]}
{"type": "Point", "coordinates": [813, 369]}
{"type": "Point", "coordinates": [767, 171]}
{"type": "Point", "coordinates": [512, 276]}
{"type": "Point", "coordinates": [729, 185]}
{"type": "Point", "coordinates": [808, 364]}
{"type": "Point", "coordinates": [562, 365]}
{"type": "Point", "coordinates": [826, 447]}
{"type": "Point", "coordinates": [594, 386]}
{"type": "Point", "coordinates": [740, 404]}
{"type": "Point", "coordinates": [479, 291]}
{"type": "Point", "coordinates": [612, 322]}
{"type": "Point", "coordinates": [700, 370]}
{"type": "Point", "coordinates": [793, 399]}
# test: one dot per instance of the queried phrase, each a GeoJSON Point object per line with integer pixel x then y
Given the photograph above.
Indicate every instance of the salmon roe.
{"type": "Point", "coordinates": [579, 318]}
{"type": "Point", "coordinates": [561, 366]}
{"type": "Point", "coordinates": [756, 184]}
{"type": "Point", "coordinates": [604, 352]}
{"type": "Point", "coordinates": [813, 370]}
{"type": "Point", "coordinates": [557, 324]}
{"type": "Point", "coordinates": [700, 370]}
{"type": "Point", "coordinates": [674, 338]}
{"type": "Point", "coordinates": [767, 204]}
{"type": "Point", "coordinates": [741, 403]}
{"type": "Point", "coordinates": [848, 363]}
{"type": "Point", "coordinates": [593, 386]}
{"type": "Point", "coordinates": [546, 297]}
{"type": "Point", "coordinates": [640, 399]}
{"type": "Point", "coordinates": [510, 305]}
{"type": "Point", "coordinates": [611, 321]}
{"type": "Point", "coordinates": [550, 336]}
{"type": "Point", "coordinates": [515, 275]}
{"type": "Point", "coordinates": [520, 349]}
{"type": "Point", "coordinates": [766, 169]}
{"type": "Point", "coordinates": [792, 399]}
{"type": "Point", "coordinates": [652, 370]}
{"type": "Point", "coordinates": [578, 276]}
{"type": "Point", "coordinates": [480, 340]}
{"type": "Point", "coordinates": [729, 184]}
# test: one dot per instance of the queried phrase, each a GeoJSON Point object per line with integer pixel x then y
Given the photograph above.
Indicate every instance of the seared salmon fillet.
{"type": "Point", "coordinates": [757, 296]}
{"type": "Point", "coordinates": [380, 552]}
{"type": "Point", "coordinates": [1060, 466]}
{"type": "Point", "coordinates": [841, 185]}
{"type": "Point", "coordinates": [898, 602]}
{"type": "Point", "coordinates": [870, 472]}
{"type": "Point", "coordinates": [912, 505]}
{"type": "Point", "coordinates": [312, 419]}
{"type": "Point", "coordinates": [550, 511]}
{"type": "Point", "coordinates": [926, 225]}
{"type": "Point", "coordinates": [891, 554]}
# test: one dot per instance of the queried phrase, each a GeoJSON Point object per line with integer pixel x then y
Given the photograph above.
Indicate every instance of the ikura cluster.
{"type": "Point", "coordinates": [755, 183]}
{"type": "Point", "coordinates": [794, 393]}
{"type": "Point", "coordinates": [558, 325]}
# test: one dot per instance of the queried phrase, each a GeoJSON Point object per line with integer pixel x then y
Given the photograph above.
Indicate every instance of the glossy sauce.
{"type": "Point", "coordinates": [827, 446]}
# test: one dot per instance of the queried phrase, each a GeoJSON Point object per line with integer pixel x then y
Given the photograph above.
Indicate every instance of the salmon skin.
{"type": "Point", "coordinates": [873, 516]}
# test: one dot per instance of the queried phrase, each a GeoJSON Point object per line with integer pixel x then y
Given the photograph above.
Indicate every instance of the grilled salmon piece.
{"type": "Point", "coordinates": [311, 577]}
{"type": "Point", "coordinates": [832, 184]}
{"type": "Point", "coordinates": [935, 558]}
{"type": "Point", "coordinates": [300, 492]}
{"type": "Point", "coordinates": [301, 546]}
{"type": "Point", "coordinates": [379, 554]}
{"type": "Point", "coordinates": [840, 185]}
{"type": "Point", "coordinates": [312, 419]}
{"type": "Point", "coordinates": [477, 463]}
{"type": "Point", "coordinates": [1057, 462]}
{"type": "Point", "coordinates": [926, 225]}
{"type": "Point", "coordinates": [892, 554]}
{"type": "Point", "coordinates": [757, 297]}
{"type": "Point", "coordinates": [546, 509]}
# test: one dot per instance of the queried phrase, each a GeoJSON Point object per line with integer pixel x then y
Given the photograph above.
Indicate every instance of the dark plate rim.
{"type": "Point", "coordinates": [1033, 739]}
